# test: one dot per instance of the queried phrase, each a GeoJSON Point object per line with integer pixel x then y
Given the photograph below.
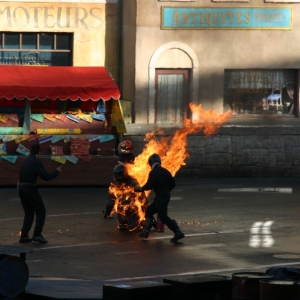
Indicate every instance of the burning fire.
{"type": "Point", "coordinates": [172, 151]}
{"type": "Point", "coordinates": [129, 202]}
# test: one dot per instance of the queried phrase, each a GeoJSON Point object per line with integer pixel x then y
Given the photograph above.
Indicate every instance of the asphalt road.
{"type": "Point", "coordinates": [231, 225]}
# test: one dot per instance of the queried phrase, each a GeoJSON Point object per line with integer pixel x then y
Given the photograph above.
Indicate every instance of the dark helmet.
{"type": "Point", "coordinates": [154, 158]}
{"type": "Point", "coordinates": [119, 172]}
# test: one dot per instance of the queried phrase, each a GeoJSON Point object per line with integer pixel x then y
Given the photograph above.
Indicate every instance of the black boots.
{"type": "Point", "coordinates": [178, 233]}
{"type": "Point", "coordinates": [148, 224]}
{"type": "Point", "coordinates": [173, 226]}
{"type": "Point", "coordinates": [178, 236]}
{"type": "Point", "coordinates": [144, 234]}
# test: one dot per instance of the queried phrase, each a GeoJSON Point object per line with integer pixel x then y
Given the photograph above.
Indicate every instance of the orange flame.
{"type": "Point", "coordinates": [173, 150]}
{"type": "Point", "coordinates": [127, 200]}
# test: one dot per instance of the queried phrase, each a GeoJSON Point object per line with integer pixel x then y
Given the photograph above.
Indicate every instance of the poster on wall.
{"type": "Point", "coordinates": [117, 117]}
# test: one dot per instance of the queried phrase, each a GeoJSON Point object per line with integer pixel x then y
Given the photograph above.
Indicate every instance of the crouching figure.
{"type": "Point", "coordinates": [122, 199]}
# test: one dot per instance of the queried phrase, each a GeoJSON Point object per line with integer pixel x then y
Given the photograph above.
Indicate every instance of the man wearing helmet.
{"type": "Point", "coordinates": [162, 182]}
{"type": "Point", "coordinates": [125, 201]}
{"type": "Point", "coordinates": [125, 152]}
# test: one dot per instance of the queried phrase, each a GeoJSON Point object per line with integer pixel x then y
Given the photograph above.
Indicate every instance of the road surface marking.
{"type": "Point", "coordinates": [205, 272]}
{"type": "Point", "coordinates": [78, 245]}
{"type": "Point", "coordinates": [232, 231]}
{"type": "Point", "coordinates": [37, 260]}
{"type": "Point", "coordinates": [10, 219]}
{"type": "Point", "coordinates": [76, 214]}
{"type": "Point", "coordinates": [61, 215]}
{"type": "Point", "coordinates": [221, 198]}
{"type": "Point", "coordinates": [176, 198]}
{"type": "Point", "coordinates": [132, 252]}
{"type": "Point", "coordinates": [191, 234]}
{"type": "Point", "coordinates": [287, 190]}
{"type": "Point", "coordinates": [150, 239]}
{"type": "Point", "coordinates": [197, 234]}
{"type": "Point", "coordinates": [261, 235]}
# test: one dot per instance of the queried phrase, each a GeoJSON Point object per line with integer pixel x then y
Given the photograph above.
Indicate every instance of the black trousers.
{"type": "Point", "coordinates": [33, 204]}
{"type": "Point", "coordinates": [160, 206]}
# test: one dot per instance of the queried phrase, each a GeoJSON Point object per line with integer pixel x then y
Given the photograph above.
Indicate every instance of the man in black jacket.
{"type": "Point", "coordinates": [162, 182]}
{"type": "Point", "coordinates": [31, 199]}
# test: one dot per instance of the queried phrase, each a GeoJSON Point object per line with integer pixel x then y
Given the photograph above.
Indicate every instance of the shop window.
{"type": "Point", "coordinates": [172, 95]}
{"type": "Point", "coordinates": [260, 92]}
{"type": "Point", "coordinates": [51, 49]}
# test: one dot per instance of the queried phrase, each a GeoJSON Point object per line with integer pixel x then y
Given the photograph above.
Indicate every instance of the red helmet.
{"type": "Point", "coordinates": [126, 146]}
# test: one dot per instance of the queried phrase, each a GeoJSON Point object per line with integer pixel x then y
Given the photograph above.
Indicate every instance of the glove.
{"type": "Point", "coordinates": [138, 188]}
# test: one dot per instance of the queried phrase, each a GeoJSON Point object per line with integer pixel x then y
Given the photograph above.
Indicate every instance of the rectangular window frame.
{"type": "Point", "coordinates": [35, 56]}
{"type": "Point", "coordinates": [286, 112]}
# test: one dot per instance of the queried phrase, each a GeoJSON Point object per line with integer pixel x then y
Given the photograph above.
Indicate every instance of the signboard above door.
{"type": "Point", "coordinates": [259, 18]}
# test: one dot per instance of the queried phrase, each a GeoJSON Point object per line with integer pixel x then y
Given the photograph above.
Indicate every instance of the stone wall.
{"type": "Point", "coordinates": [235, 151]}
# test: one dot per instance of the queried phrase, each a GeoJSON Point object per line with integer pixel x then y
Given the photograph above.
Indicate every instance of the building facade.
{"type": "Point", "coordinates": [227, 55]}
{"type": "Point", "coordinates": [75, 33]}
{"type": "Point", "coordinates": [238, 56]}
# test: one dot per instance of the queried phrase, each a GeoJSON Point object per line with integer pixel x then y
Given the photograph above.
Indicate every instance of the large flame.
{"type": "Point", "coordinates": [127, 201]}
{"type": "Point", "coordinates": [172, 151]}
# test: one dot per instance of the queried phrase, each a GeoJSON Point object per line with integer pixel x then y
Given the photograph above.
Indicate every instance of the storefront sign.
{"type": "Point", "coordinates": [72, 1]}
{"type": "Point", "coordinates": [226, 18]}
{"type": "Point", "coordinates": [51, 17]}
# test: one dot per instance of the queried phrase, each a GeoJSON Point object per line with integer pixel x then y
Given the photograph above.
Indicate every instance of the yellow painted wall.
{"type": "Point", "coordinates": [87, 21]}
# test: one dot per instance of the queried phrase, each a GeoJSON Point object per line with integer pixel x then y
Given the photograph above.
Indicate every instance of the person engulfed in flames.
{"type": "Point", "coordinates": [122, 199]}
